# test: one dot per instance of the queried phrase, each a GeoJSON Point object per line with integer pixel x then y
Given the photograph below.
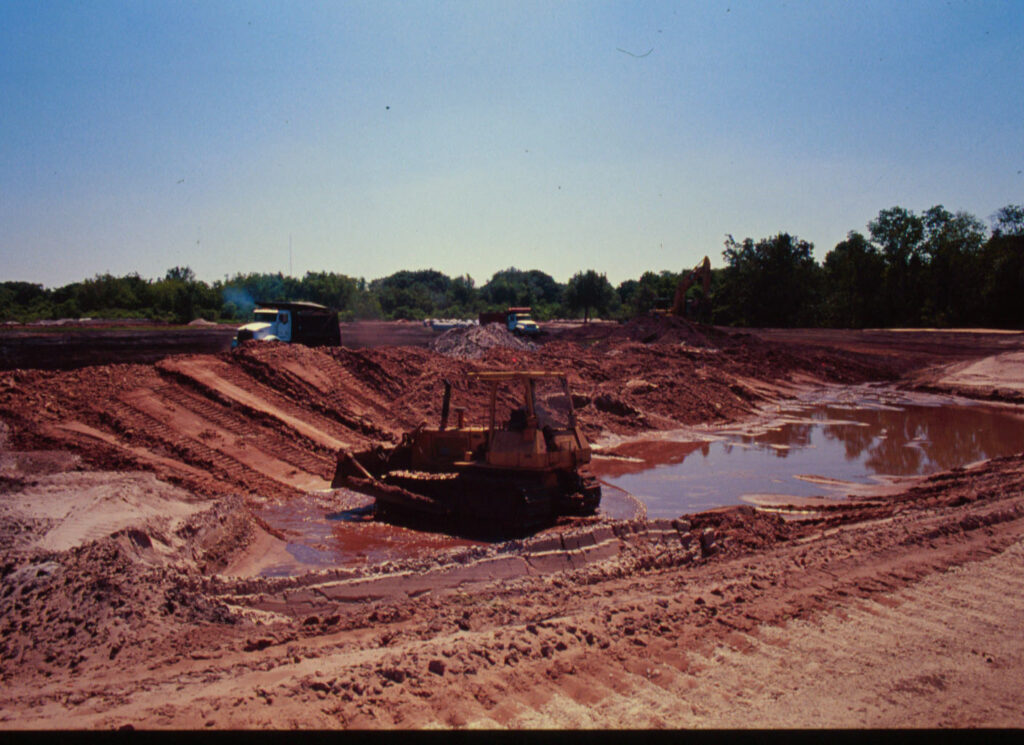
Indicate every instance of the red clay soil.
{"type": "Point", "coordinates": [136, 591]}
{"type": "Point", "coordinates": [268, 419]}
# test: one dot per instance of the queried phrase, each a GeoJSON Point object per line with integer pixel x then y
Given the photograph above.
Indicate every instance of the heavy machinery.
{"type": "Point", "coordinates": [695, 308]}
{"type": "Point", "coordinates": [311, 324]}
{"type": "Point", "coordinates": [516, 320]}
{"type": "Point", "coordinates": [508, 477]}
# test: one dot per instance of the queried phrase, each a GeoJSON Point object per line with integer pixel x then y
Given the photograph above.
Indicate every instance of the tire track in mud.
{"type": "Point", "coordinates": [123, 416]}
{"type": "Point", "coordinates": [78, 435]}
{"type": "Point", "coordinates": [638, 694]}
{"type": "Point", "coordinates": [231, 387]}
{"type": "Point", "coordinates": [200, 421]}
{"type": "Point", "coordinates": [246, 432]}
{"type": "Point", "coordinates": [299, 471]}
{"type": "Point", "coordinates": [327, 385]}
{"type": "Point", "coordinates": [893, 654]}
{"type": "Point", "coordinates": [887, 664]}
{"type": "Point", "coordinates": [722, 643]}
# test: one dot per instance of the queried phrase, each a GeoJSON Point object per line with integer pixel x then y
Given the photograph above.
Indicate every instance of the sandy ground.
{"type": "Point", "coordinates": [143, 586]}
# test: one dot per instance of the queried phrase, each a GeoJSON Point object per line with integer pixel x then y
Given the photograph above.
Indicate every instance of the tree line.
{"type": "Point", "coordinates": [931, 269]}
{"type": "Point", "coordinates": [936, 268]}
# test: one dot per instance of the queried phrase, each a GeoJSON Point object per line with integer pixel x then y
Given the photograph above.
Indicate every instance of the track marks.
{"type": "Point", "coordinates": [872, 664]}
{"type": "Point", "coordinates": [214, 377]}
{"type": "Point", "coordinates": [227, 443]}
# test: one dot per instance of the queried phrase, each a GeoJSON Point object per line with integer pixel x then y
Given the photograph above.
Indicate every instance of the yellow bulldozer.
{"type": "Point", "coordinates": [511, 475]}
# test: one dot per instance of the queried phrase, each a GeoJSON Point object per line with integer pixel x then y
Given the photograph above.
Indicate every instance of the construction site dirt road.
{"type": "Point", "coordinates": [148, 582]}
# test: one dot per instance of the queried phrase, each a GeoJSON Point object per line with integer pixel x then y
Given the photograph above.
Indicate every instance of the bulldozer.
{"type": "Point", "coordinates": [504, 478]}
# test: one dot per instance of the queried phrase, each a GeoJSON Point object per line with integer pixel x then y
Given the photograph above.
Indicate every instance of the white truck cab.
{"type": "Point", "coordinates": [521, 324]}
{"type": "Point", "coordinates": [268, 325]}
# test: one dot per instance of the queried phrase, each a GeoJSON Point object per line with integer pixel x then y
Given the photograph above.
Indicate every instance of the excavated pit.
{"type": "Point", "coordinates": [169, 560]}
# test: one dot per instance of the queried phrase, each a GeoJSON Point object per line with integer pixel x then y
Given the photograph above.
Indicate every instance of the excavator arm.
{"type": "Point", "coordinates": [700, 272]}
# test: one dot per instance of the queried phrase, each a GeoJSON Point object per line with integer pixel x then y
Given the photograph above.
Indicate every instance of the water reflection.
{"type": "Point", "coordinates": [828, 442]}
{"type": "Point", "coordinates": [924, 439]}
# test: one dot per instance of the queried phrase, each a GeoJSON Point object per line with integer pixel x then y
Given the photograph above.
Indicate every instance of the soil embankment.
{"type": "Point", "coordinates": [135, 588]}
{"type": "Point", "coordinates": [67, 347]}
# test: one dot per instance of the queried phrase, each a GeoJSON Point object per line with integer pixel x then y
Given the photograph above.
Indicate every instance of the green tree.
{"type": "Point", "coordinates": [412, 294]}
{"type": "Point", "coordinates": [774, 282]}
{"type": "Point", "coordinates": [588, 290]}
{"type": "Point", "coordinates": [1003, 268]}
{"type": "Point", "coordinates": [180, 297]}
{"type": "Point", "coordinates": [181, 273]}
{"type": "Point", "coordinates": [953, 274]}
{"type": "Point", "coordinates": [532, 288]}
{"type": "Point", "coordinates": [652, 290]}
{"type": "Point", "coordinates": [328, 288]}
{"type": "Point", "coordinates": [900, 233]}
{"type": "Point", "coordinates": [24, 301]}
{"type": "Point", "coordinates": [463, 298]}
{"type": "Point", "coordinates": [854, 297]}
{"type": "Point", "coordinates": [1008, 220]}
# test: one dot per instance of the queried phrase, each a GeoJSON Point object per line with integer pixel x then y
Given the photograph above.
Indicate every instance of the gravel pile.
{"type": "Point", "coordinates": [471, 343]}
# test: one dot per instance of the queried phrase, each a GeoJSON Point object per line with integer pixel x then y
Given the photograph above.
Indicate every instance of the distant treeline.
{"type": "Point", "coordinates": [933, 269]}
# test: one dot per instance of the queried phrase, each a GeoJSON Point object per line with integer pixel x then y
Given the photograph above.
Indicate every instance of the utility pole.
{"type": "Point", "coordinates": [289, 254]}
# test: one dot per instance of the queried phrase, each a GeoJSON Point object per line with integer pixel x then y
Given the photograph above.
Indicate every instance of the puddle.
{"type": "Point", "coordinates": [337, 528]}
{"type": "Point", "coordinates": [831, 445]}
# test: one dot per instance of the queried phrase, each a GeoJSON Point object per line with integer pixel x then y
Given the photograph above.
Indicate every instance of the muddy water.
{"type": "Point", "coordinates": [831, 445]}
{"type": "Point", "coordinates": [336, 529]}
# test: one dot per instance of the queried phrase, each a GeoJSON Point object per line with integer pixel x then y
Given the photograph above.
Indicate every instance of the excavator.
{"type": "Point", "coordinates": [697, 307]}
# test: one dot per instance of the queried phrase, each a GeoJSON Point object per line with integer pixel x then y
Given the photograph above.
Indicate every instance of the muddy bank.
{"type": "Point", "coordinates": [145, 581]}
{"type": "Point", "coordinates": [52, 349]}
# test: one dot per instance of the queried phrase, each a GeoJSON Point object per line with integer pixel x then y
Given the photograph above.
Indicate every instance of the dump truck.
{"type": "Point", "coordinates": [512, 475]}
{"type": "Point", "coordinates": [516, 320]}
{"type": "Point", "coordinates": [311, 324]}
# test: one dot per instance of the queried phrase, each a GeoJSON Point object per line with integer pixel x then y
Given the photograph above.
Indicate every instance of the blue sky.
{"type": "Point", "coordinates": [473, 136]}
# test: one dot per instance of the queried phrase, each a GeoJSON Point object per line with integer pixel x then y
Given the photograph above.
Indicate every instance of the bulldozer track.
{"type": "Point", "coordinates": [344, 399]}
{"type": "Point", "coordinates": [272, 404]}
{"type": "Point", "coordinates": [123, 417]}
{"type": "Point", "coordinates": [870, 637]}
{"type": "Point", "coordinates": [284, 447]}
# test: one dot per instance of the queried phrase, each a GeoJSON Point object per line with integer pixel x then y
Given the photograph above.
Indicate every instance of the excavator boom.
{"type": "Point", "coordinates": [700, 272]}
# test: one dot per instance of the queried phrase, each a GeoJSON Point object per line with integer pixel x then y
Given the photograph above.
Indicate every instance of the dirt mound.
{"type": "Point", "coordinates": [121, 594]}
{"type": "Point", "coordinates": [471, 342]}
{"type": "Point", "coordinates": [655, 329]}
